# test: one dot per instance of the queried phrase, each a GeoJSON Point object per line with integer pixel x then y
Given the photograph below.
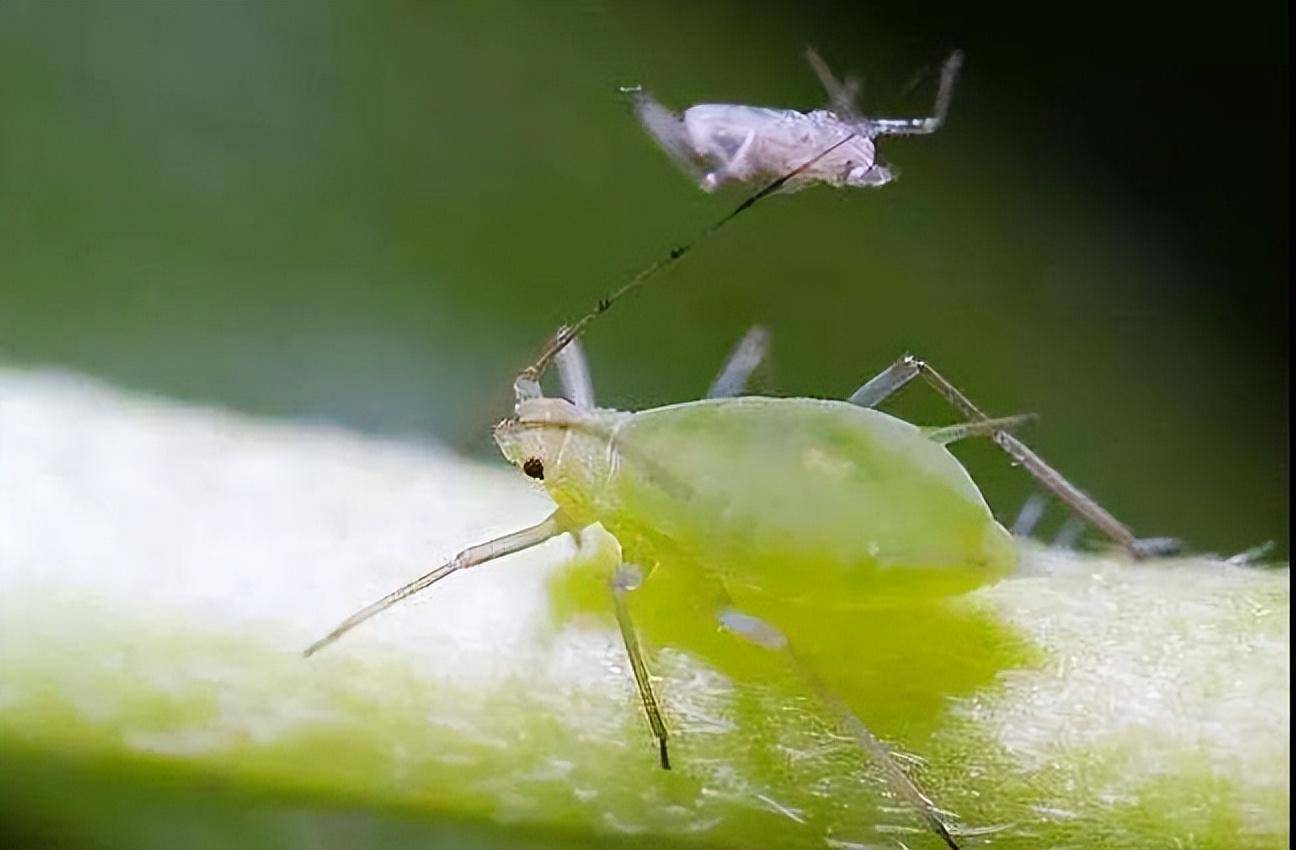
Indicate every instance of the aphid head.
{"type": "Point", "coordinates": [532, 439]}
{"type": "Point", "coordinates": [877, 174]}
{"type": "Point", "coordinates": [554, 441]}
{"type": "Point", "coordinates": [571, 449]}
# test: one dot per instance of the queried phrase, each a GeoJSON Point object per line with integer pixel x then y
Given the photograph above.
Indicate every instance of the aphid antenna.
{"type": "Point", "coordinates": [527, 384]}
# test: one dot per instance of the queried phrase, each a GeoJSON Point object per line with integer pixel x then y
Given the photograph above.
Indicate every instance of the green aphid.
{"type": "Point", "coordinates": [789, 512]}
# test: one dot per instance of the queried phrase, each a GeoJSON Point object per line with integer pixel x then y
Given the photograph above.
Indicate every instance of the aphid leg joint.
{"type": "Point", "coordinates": [906, 368]}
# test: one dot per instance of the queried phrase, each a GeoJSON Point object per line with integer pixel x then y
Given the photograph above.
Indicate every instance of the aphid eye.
{"type": "Point", "coordinates": [534, 467]}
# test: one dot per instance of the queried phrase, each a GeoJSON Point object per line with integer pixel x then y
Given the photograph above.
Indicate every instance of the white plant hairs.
{"type": "Point", "coordinates": [719, 143]}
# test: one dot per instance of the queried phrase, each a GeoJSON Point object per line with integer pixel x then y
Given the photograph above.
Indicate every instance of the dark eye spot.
{"type": "Point", "coordinates": [534, 467]}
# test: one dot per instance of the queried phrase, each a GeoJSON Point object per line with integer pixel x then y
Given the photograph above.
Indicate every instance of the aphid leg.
{"type": "Point", "coordinates": [626, 578]}
{"type": "Point", "coordinates": [553, 525]}
{"type": "Point", "coordinates": [745, 358]}
{"type": "Point", "coordinates": [574, 375]}
{"type": "Point", "coordinates": [1251, 556]}
{"type": "Point", "coordinates": [841, 96]}
{"type": "Point", "coordinates": [762, 634]}
{"type": "Point", "coordinates": [982, 428]}
{"type": "Point", "coordinates": [933, 122]}
{"type": "Point", "coordinates": [908, 367]}
{"type": "Point", "coordinates": [735, 168]}
{"type": "Point", "coordinates": [1069, 533]}
{"type": "Point", "coordinates": [886, 383]}
{"type": "Point", "coordinates": [1032, 511]}
{"type": "Point", "coordinates": [668, 130]}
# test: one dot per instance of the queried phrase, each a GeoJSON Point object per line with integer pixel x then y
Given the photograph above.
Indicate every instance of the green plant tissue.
{"type": "Point", "coordinates": [163, 566]}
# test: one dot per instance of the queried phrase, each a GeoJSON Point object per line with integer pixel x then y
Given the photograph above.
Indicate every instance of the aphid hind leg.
{"type": "Point", "coordinates": [574, 375]}
{"type": "Point", "coordinates": [762, 634]}
{"type": "Point", "coordinates": [742, 362]}
{"type": "Point", "coordinates": [930, 123]}
{"type": "Point", "coordinates": [978, 428]}
{"type": "Point", "coordinates": [908, 367]}
{"type": "Point", "coordinates": [626, 578]}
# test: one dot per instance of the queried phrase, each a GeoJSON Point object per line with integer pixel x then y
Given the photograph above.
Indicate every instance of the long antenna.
{"type": "Point", "coordinates": [565, 334]}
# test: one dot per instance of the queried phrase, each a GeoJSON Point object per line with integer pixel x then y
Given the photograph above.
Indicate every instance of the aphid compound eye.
{"type": "Point", "coordinates": [534, 467]}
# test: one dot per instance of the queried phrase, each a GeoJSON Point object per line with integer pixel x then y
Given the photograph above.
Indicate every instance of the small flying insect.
{"type": "Point", "coordinates": [719, 143]}
{"type": "Point", "coordinates": [738, 487]}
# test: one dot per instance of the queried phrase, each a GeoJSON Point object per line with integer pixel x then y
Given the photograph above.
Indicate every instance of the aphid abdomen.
{"type": "Point", "coordinates": [806, 498]}
{"type": "Point", "coordinates": [717, 130]}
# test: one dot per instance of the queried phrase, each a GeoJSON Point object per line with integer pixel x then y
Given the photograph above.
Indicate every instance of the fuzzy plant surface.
{"type": "Point", "coordinates": [163, 566]}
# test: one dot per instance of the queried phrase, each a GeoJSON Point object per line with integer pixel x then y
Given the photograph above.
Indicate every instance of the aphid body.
{"type": "Point", "coordinates": [757, 143]}
{"type": "Point", "coordinates": [718, 143]}
{"type": "Point", "coordinates": [796, 523]}
{"type": "Point", "coordinates": [807, 500]}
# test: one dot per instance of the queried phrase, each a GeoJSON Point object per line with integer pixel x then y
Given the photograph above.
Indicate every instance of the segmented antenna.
{"type": "Point", "coordinates": [530, 376]}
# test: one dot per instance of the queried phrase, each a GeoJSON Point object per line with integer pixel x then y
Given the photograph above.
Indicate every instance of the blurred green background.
{"type": "Point", "coordinates": [372, 213]}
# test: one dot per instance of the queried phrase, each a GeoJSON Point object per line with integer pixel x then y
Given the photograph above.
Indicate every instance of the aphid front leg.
{"type": "Point", "coordinates": [908, 367]}
{"type": "Point", "coordinates": [742, 362]}
{"type": "Point", "coordinates": [736, 168]}
{"type": "Point", "coordinates": [626, 578]}
{"type": "Point", "coordinates": [757, 631]}
{"type": "Point", "coordinates": [553, 525]}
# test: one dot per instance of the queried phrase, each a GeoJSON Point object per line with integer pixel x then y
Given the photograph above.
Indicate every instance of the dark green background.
{"type": "Point", "coordinates": [372, 213]}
